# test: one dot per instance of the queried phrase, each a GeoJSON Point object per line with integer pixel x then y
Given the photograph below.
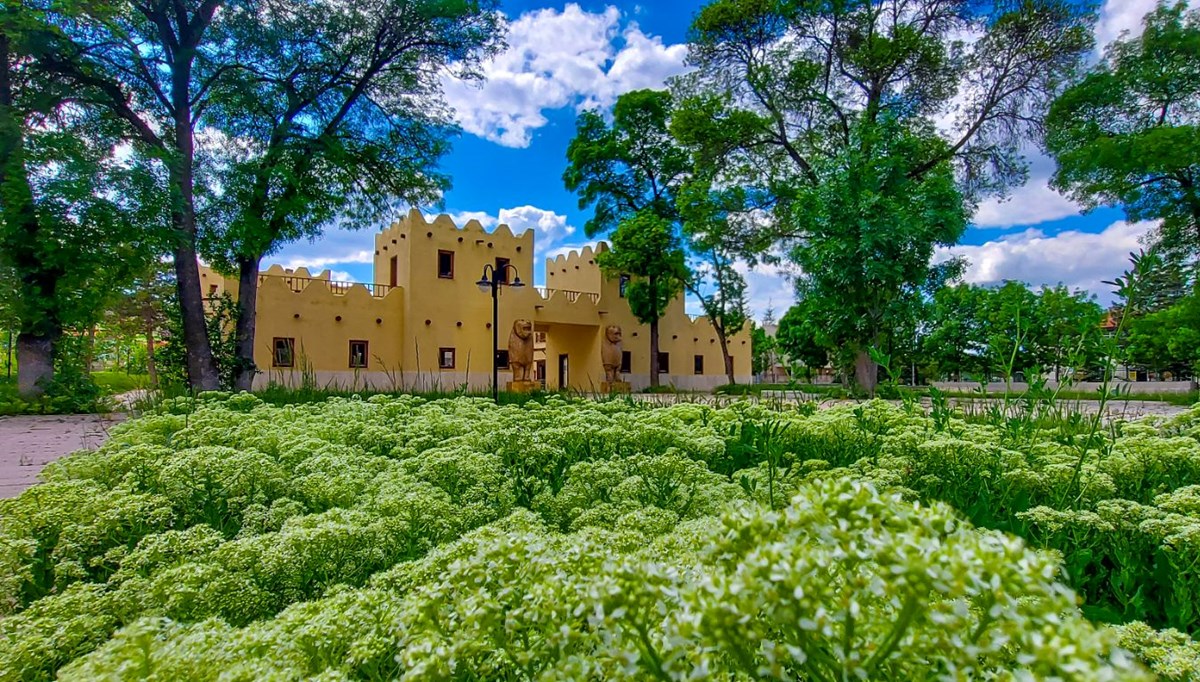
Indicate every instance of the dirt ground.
{"type": "Point", "coordinates": [28, 443]}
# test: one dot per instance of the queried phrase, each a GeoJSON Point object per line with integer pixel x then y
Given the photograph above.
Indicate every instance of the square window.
{"type": "Point", "coordinates": [358, 354]}
{"type": "Point", "coordinates": [699, 364]}
{"type": "Point", "coordinates": [212, 289]}
{"type": "Point", "coordinates": [501, 270]}
{"type": "Point", "coordinates": [626, 362]}
{"type": "Point", "coordinates": [445, 358]}
{"type": "Point", "coordinates": [664, 362]}
{"type": "Point", "coordinates": [283, 352]}
{"type": "Point", "coordinates": [501, 359]}
{"type": "Point", "coordinates": [623, 284]}
{"type": "Point", "coordinates": [446, 264]}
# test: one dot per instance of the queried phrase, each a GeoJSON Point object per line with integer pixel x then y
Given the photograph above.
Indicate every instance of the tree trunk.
{"type": "Point", "coordinates": [727, 357]}
{"type": "Point", "coordinates": [243, 378]}
{"type": "Point", "coordinates": [89, 356]}
{"type": "Point", "coordinates": [866, 372]}
{"type": "Point", "coordinates": [654, 353]}
{"type": "Point", "coordinates": [653, 284]}
{"type": "Point", "coordinates": [35, 363]}
{"type": "Point", "coordinates": [201, 366]}
{"type": "Point", "coordinates": [151, 369]}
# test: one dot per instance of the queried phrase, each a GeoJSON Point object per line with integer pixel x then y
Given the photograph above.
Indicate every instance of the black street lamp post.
{"type": "Point", "coordinates": [493, 284]}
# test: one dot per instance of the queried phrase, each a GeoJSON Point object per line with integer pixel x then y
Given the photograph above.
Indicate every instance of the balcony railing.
{"type": "Point", "coordinates": [568, 294]}
{"type": "Point", "coordinates": [298, 284]}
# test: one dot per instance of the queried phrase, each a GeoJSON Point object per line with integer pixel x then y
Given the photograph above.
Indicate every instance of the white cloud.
{"type": "Point", "coordinates": [548, 226]}
{"type": "Point", "coordinates": [767, 286]}
{"type": "Point", "coordinates": [557, 59]}
{"type": "Point", "coordinates": [1032, 203]}
{"type": "Point", "coordinates": [463, 217]}
{"type": "Point", "coordinates": [1117, 16]}
{"type": "Point", "coordinates": [1077, 259]}
{"type": "Point", "coordinates": [337, 246]}
{"type": "Point", "coordinates": [564, 250]}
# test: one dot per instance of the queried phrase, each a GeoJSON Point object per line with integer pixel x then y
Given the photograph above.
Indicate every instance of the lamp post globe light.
{"type": "Point", "coordinates": [493, 284]}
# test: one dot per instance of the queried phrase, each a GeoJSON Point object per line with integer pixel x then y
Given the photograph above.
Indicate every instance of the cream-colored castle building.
{"type": "Point", "coordinates": [425, 324]}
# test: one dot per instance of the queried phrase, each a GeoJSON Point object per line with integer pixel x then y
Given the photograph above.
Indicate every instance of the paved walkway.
{"type": "Point", "coordinates": [28, 443]}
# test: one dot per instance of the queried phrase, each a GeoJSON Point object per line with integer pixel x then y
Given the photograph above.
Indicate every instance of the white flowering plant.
{"type": "Point", "coordinates": [222, 538]}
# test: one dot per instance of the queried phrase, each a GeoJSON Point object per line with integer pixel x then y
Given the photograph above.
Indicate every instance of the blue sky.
{"type": "Point", "coordinates": [507, 164]}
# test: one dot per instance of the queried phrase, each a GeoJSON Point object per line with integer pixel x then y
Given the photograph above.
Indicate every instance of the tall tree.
{"type": "Point", "coordinates": [800, 342]}
{"type": "Point", "coordinates": [715, 248]}
{"type": "Point", "coordinates": [337, 116]}
{"type": "Point", "coordinates": [631, 172]}
{"type": "Point", "coordinates": [646, 247]}
{"type": "Point", "coordinates": [1068, 328]}
{"type": "Point", "coordinates": [152, 65]}
{"type": "Point", "coordinates": [1129, 133]}
{"type": "Point", "coordinates": [887, 102]}
{"type": "Point", "coordinates": [956, 340]}
{"type": "Point", "coordinates": [71, 229]}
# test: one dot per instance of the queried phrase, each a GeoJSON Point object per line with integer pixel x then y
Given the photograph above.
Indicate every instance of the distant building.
{"type": "Point", "coordinates": [424, 323]}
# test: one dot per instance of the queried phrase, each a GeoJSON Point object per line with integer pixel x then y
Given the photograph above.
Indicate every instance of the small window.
{"type": "Point", "coordinates": [502, 270]}
{"type": "Point", "coordinates": [501, 359]}
{"type": "Point", "coordinates": [699, 364]}
{"type": "Point", "coordinates": [358, 354]}
{"type": "Point", "coordinates": [664, 362]}
{"type": "Point", "coordinates": [212, 289]}
{"type": "Point", "coordinates": [539, 337]}
{"type": "Point", "coordinates": [623, 284]}
{"type": "Point", "coordinates": [626, 362]}
{"type": "Point", "coordinates": [284, 353]}
{"type": "Point", "coordinates": [446, 358]}
{"type": "Point", "coordinates": [394, 274]}
{"type": "Point", "coordinates": [446, 264]}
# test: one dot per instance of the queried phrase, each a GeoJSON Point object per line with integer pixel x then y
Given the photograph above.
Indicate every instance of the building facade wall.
{"type": "Point", "coordinates": [408, 326]}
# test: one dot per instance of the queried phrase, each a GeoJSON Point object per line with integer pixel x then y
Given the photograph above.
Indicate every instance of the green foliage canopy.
{"type": "Point", "coordinates": [1128, 134]}
{"type": "Point", "coordinates": [832, 110]}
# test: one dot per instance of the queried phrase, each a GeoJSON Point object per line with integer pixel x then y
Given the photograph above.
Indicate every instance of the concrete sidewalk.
{"type": "Point", "coordinates": [28, 443]}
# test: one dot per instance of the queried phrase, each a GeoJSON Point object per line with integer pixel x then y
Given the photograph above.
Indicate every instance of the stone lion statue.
{"type": "Point", "coordinates": [610, 353]}
{"type": "Point", "coordinates": [520, 350]}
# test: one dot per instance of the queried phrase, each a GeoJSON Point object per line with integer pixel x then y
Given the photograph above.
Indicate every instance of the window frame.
{"type": "Point", "coordinates": [366, 353]}
{"type": "Point", "coordinates": [623, 285]}
{"type": "Point", "coordinates": [442, 356]}
{"type": "Point", "coordinates": [698, 364]}
{"type": "Point", "coordinates": [501, 273]}
{"type": "Point", "coordinates": [502, 358]}
{"type": "Point", "coordinates": [664, 362]}
{"type": "Point", "coordinates": [626, 362]}
{"type": "Point", "coordinates": [445, 252]}
{"type": "Point", "coordinates": [290, 343]}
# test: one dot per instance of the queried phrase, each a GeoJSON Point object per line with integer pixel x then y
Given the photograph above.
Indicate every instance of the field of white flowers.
{"type": "Point", "coordinates": [226, 539]}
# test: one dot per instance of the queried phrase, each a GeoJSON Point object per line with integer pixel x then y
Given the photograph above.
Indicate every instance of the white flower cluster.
{"type": "Point", "coordinates": [398, 538]}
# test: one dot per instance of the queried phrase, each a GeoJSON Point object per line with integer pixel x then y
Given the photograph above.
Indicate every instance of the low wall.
{"type": "Point", "coordinates": [1139, 387]}
{"type": "Point", "coordinates": [452, 381]}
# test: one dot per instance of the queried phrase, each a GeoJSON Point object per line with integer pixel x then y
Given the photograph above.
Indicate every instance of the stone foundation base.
{"type": "Point", "coordinates": [609, 387]}
{"type": "Point", "coordinates": [523, 386]}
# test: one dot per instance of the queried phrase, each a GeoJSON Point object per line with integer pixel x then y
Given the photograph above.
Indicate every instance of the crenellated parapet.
{"type": "Point", "coordinates": [576, 270]}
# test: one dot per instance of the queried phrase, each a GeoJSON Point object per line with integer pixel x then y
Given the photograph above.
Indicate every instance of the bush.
{"type": "Point", "coordinates": [399, 537]}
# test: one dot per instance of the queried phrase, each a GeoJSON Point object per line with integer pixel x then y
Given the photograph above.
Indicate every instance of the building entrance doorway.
{"type": "Point", "coordinates": [539, 372]}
